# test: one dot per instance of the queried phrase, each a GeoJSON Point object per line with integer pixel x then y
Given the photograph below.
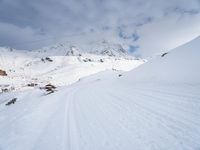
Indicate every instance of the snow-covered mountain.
{"type": "Point", "coordinates": [96, 48]}
{"type": "Point", "coordinates": [61, 64]}
{"type": "Point", "coordinates": [154, 106]}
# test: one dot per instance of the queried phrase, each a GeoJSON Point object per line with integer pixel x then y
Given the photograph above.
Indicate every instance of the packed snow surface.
{"type": "Point", "coordinates": [153, 107]}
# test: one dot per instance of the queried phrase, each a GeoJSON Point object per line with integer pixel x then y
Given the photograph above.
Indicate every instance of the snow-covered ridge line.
{"type": "Point", "coordinates": [97, 48]}
{"type": "Point", "coordinates": [70, 49]}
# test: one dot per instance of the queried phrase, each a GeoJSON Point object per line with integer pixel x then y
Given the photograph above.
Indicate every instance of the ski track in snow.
{"type": "Point", "coordinates": [88, 116]}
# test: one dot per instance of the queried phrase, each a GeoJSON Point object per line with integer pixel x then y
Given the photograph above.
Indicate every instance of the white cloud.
{"type": "Point", "coordinates": [168, 33]}
{"type": "Point", "coordinates": [158, 24]}
{"type": "Point", "coordinates": [20, 37]}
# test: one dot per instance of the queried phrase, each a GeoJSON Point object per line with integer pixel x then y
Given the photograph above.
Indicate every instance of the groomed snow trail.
{"type": "Point", "coordinates": [100, 115]}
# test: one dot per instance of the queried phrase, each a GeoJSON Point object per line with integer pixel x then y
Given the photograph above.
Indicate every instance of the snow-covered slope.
{"type": "Point", "coordinates": [50, 66]}
{"type": "Point", "coordinates": [148, 108]}
{"type": "Point", "coordinates": [179, 65]}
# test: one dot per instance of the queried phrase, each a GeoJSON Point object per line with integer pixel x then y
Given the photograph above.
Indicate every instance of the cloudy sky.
{"type": "Point", "coordinates": [144, 27]}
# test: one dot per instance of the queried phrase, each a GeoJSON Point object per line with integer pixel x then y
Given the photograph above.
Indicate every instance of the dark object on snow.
{"type": "Point", "coordinates": [42, 59]}
{"type": "Point", "coordinates": [32, 84]}
{"type": "Point", "coordinates": [164, 54]}
{"type": "Point", "coordinates": [11, 101]}
{"type": "Point", "coordinates": [3, 73]}
{"type": "Point", "coordinates": [113, 69]}
{"type": "Point", "coordinates": [119, 75]}
{"type": "Point", "coordinates": [87, 60]}
{"type": "Point", "coordinates": [46, 59]}
{"type": "Point", "coordinates": [101, 60]}
{"type": "Point", "coordinates": [4, 90]}
{"type": "Point", "coordinates": [49, 88]}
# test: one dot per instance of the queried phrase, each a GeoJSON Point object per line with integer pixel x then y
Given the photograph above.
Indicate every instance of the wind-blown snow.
{"type": "Point", "coordinates": [154, 107]}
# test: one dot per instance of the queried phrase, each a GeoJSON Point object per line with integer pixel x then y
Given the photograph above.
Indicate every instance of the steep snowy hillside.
{"type": "Point", "coordinates": [153, 107]}
{"type": "Point", "coordinates": [179, 65]}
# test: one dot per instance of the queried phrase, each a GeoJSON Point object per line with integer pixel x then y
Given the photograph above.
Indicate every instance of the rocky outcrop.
{"type": "Point", "coordinates": [49, 88]}
{"type": "Point", "coordinates": [12, 101]}
{"type": "Point", "coordinates": [3, 73]}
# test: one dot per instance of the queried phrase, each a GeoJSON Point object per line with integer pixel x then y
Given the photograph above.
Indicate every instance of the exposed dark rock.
{"type": "Point", "coordinates": [42, 59]}
{"type": "Point", "coordinates": [113, 69]}
{"type": "Point", "coordinates": [6, 88]}
{"type": "Point", "coordinates": [3, 73]}
{"type": "Point", "coordinates": [101, 60]}
{"type": "Point", "coordinates": [32, 84]}
{"type": "Point", "coordinates": [49, 88]}
{"type": "Point", "coordinates": [73, 51]}
{"type": "Point", "coordinates": [46, 59]}
{"type": "Point", "coordinates": [164, 54]}
{"type": "Point", "coordinates": [87, 60]}
{"type": "Point", "coordinates": [12, 101]}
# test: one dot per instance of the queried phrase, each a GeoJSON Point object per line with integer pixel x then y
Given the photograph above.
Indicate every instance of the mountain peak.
{"type": "Point", "coordinates": [97, 48]}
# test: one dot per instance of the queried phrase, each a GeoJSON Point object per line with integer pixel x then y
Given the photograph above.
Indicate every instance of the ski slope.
{"type": "Point", "coordinates": [155, 106]}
